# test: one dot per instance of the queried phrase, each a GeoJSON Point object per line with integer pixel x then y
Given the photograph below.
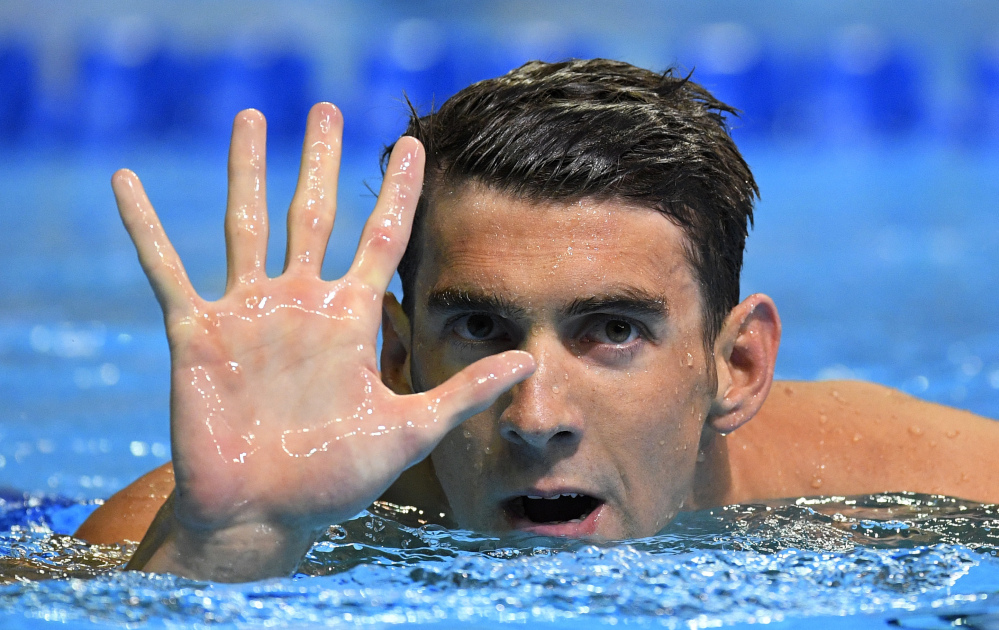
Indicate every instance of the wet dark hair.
{"type": "Point", "coordinates": [604, 130]}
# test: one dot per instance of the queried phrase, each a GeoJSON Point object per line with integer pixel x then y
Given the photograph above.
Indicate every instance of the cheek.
{"type": "Point", "coordinates": [450, 458]}
{"type": "Point", "coordinates": [463, 451]}
{"type": "Point", "coordinates": [659, 446]}
{"type": "Point", "coordinates": [462, 463]}
{"type": "Point", "coordinates": [662, 436]}
{"type": "Point", "coordinates": [658, 465]}
{"type": "Point", "coordinates": [666, 393]}
{"type": "Point", "coordinates": [430, 364]}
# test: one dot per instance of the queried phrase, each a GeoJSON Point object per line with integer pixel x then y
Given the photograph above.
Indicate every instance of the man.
{"type": "Point", "coordinates": [570, 357]}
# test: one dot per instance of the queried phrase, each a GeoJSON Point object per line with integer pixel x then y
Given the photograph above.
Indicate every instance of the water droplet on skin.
{"type": "Point", "coordinates": [915, 431]}
{"type": "Point", "coordinates": [953, 433]}
{"type": "Point", "coordinates": [467, 434]}
{"type": "Point", "coordinates": [817, 482]}
{"type": "Point", "coordinates": [487, 450]}
{"type": "Point", "coordinates": [555, 389]}
{"type": "Point", "coordinates": [701, 456]}
{"type": "Point", "coordinates": [690, 360]}
{"type": "Point", "coordinates": [857, 437]}
{"type": "Point", "coordinates": [823, 418]}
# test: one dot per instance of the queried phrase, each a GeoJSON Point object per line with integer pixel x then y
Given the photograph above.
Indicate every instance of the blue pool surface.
{"type": "Point", "coordinates": [878, 561]}
{"type": "Point", "coordinates": [883, 261]}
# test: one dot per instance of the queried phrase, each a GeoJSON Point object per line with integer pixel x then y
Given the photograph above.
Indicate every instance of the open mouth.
{"type": "Point", "coordinates": [562, 508]}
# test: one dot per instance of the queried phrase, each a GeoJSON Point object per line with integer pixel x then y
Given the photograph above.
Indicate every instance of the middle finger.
{"type": "Point", "coordinates": [246, 209]}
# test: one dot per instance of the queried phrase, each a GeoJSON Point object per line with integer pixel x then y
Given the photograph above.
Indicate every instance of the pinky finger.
{"type": "Point", "coordinates": [156, 254]}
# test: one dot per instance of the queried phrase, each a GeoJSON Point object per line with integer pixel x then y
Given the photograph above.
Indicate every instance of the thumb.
{"type": "Point", "coordinates": [477, 386]}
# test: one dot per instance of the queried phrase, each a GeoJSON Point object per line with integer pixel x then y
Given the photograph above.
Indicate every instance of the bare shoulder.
{"type": "Point", "coordinates": [127, 514]}
{"type": "Point", "coordinates": [852, 437]}
{"type": "Point", "coordinates": [867, 402]}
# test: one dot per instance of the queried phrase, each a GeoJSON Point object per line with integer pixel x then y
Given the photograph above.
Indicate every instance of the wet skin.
{"type": "Point", "coordinates": [601, 294]}
{"type": "Point", "coordinates": [622, 402]}
{"type": "Point", "coordinates": [280, 424]}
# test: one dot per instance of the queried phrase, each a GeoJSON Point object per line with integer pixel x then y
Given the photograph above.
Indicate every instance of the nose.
{"type": "Point", "coordinates": [541, 414]}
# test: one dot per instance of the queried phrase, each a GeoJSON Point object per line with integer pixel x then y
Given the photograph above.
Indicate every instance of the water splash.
{"type": "Point", "coordinates": [898, 556]}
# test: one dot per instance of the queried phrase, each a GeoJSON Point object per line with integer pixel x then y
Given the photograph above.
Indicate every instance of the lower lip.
{"type": "Point", "coordinates": [585, 528]}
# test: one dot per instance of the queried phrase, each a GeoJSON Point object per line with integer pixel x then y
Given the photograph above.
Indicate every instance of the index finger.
{"type": "Point", "coordinates": [156, 254]}
{"type": "Point", "coordinates": [387, 230]}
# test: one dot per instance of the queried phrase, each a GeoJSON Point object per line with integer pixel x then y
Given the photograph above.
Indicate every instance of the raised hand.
{"type": "Point", "coordinates": [280, 424]}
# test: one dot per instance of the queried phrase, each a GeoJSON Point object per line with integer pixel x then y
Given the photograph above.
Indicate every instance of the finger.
{"type": "Point", "coordinates": [387, 230]}
{"type": "Point", "coordinates": [156, 254]}
{"type": "Point", "coordinates": [313, 208]}
{"type": "Point", "coordinates": [477, 387]}
{"type": "Point", "coordinates": [246, 209]}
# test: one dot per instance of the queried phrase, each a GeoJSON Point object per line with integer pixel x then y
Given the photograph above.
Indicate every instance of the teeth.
{"type": "Point", "coordinates": [572, 495]}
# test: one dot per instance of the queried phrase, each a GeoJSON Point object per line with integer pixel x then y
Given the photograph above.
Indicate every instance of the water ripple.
{"type": "Point", "coordinates": [916, 559]}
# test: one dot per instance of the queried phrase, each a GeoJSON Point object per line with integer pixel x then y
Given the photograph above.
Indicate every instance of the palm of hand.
{"type": "Point", "coordinates": [302, 347]}
{"type": "Point", "coordinates": [278, 413]}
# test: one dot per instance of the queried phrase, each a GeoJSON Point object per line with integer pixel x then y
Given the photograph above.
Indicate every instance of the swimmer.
{"type": "Point", "coordinates": [570, 357]}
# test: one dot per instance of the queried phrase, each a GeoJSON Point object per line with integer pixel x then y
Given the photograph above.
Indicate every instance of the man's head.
{"type": "Point", "coordinates": [593, 214]}
{"type": "Point", "coordinates": [599, 129]}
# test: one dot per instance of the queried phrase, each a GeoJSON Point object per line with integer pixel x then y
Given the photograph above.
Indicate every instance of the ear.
{"type": "Point", "coordinates": [395, 346]}
{"type": "Point", "coordinates": [745, 354]}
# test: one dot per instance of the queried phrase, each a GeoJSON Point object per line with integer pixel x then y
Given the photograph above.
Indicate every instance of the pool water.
{"type": "Point", "coordinates": [882, 260]}
{"type": "Point", "coordinates": [906, 560]}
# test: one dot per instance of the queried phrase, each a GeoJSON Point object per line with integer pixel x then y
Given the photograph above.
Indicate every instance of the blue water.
{"type": "Point", "coordinates": [882, 559]}
{"type": "Point", "coordinates": [882, 260]}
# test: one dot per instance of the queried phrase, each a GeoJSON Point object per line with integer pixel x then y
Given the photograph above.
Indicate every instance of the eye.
{"type": "Point", "coordinates": [477, 327]}
{"type": "Point", "coordinates": [618, 331]}
{"type": "Point", "coordinates": [615, 331]}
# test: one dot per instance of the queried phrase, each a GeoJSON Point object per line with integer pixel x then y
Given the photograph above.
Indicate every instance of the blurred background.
{"type": "Point", "coordinates": [92, 73]}
{"type": "Point", "coordinates": [872, 127]}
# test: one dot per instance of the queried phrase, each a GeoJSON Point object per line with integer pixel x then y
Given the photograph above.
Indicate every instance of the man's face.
{"type": "Point", "coordinates": [602, 440]}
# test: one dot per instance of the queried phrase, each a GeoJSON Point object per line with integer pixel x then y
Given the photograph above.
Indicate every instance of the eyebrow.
{"type": "Point", "coordinates": [626, 301]}
{"type": "Point", "coordinates": [456, 300]}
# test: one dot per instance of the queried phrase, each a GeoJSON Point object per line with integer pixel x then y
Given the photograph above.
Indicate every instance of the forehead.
{"type": "Point", "coordinates": [477, 237]}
